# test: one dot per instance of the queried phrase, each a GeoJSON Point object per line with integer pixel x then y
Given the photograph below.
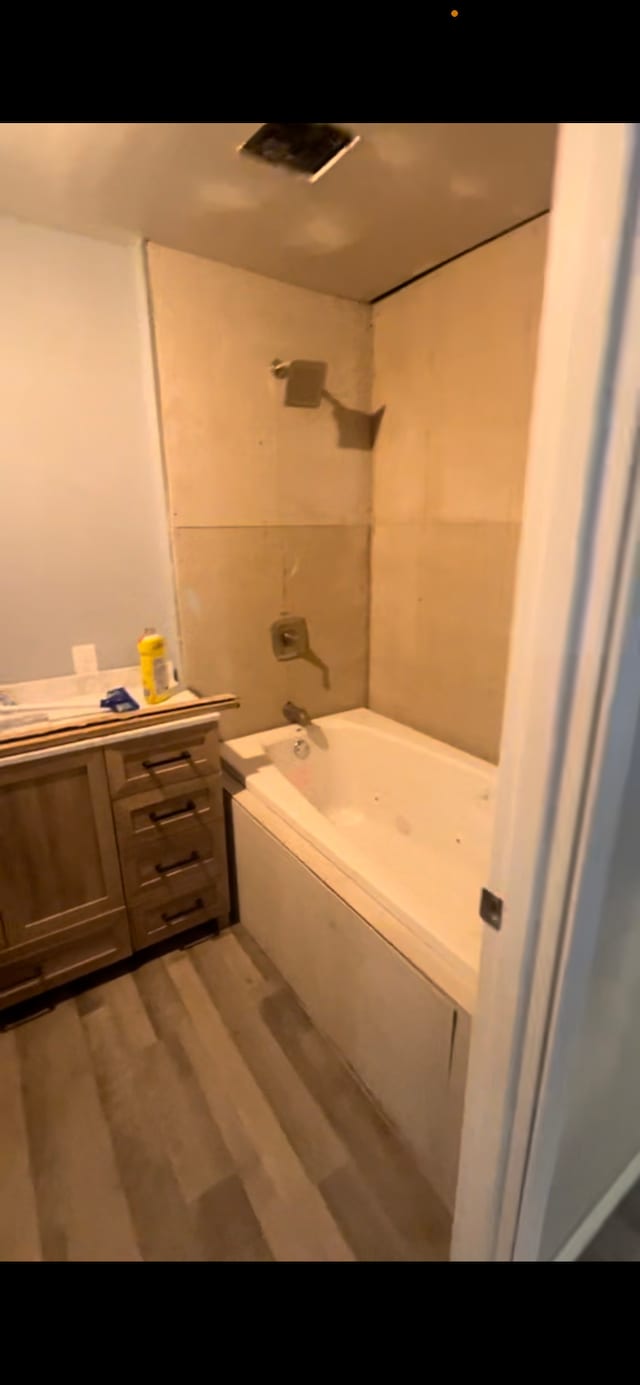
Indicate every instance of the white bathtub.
{"type": "Point", "coordinates": [359, 870]}
{"type": "Point", "coordinates": [406, 817]}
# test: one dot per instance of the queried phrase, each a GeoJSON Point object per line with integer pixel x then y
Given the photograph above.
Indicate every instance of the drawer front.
{"type": "Point", "coordinates": [27, 971]}
{"type": "Point", "coordinates": [152, 923]}
{"type": "Point", "coordinates": [160, 762]}
{"type": "Point", "coordinates": [192, 807]}
{"type": "Point", "coordinates": [182, 861]}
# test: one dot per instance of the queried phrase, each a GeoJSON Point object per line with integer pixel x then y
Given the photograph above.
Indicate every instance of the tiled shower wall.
{"type": "Point", "coordinates": [269, 513]}
{"type": "Point", "coordinates": [454, 358]}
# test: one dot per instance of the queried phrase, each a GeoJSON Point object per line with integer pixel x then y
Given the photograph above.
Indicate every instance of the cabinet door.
{"type": "Point", "coordinates": [58, 856]}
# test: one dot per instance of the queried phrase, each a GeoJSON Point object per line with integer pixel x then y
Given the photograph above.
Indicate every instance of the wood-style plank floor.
{"type": "Point", "coordinates": [189, 1110]}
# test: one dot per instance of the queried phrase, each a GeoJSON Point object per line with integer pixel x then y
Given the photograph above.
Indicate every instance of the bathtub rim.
{"type": "Point", "coordinates": [242, 764]}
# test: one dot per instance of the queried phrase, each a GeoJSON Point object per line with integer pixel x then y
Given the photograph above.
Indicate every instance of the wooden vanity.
{"type": "Point", "coordinates": [111, 839]}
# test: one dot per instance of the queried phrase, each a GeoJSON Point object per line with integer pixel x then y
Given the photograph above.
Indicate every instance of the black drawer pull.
{"type": "Point", "coordinates": [182, 913]}
{"type": "Point", "coordinates": [150, 765]}
{"type": "Point", "coordinates": [189, 807]}
{"type": "Point", "coordinates": [175, 865]}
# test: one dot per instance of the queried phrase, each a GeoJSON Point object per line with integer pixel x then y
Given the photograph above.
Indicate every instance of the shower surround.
{"type": "Point", "coordinates": [454, 362]}
{"type": "Point", "coordinates": [269, 514]}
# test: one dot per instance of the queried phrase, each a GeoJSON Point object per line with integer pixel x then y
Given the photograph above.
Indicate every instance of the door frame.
{"type": "Point", "coordinates": [564, 669]}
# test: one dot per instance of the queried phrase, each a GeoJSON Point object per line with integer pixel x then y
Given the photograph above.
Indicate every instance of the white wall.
{"type": "Point", "coordinates": [84, 547]}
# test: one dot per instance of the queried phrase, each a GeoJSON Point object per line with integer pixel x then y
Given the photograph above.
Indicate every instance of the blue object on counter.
{"type": "Point", "coordinates": [119, 700]}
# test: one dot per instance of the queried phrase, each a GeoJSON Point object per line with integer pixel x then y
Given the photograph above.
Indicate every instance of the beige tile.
{"type": "Point", "coordinates": [229, 591]}
{"type": "Point", "coordinates": [233, 583]}
{"type": "Point", "coordinates": [454, 361]}
{"type": "Point", "coordinates": [394, 624]}
{"type": "Point", "coordinates": [403, 365]}
{"type": "Point", "coordinates": [235, 455]}
{"type": "Point", "coordinates": [317, 480]}
{"type": "Point", "coordinates": [440, 625]}
{"type": "Point", "coordinates": [327, 580]}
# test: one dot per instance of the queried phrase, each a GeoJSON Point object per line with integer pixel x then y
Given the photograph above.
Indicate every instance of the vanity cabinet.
{"type": "Point", "coordinates": [106, 850]}
{"type": "Point", "coordinates": [169, 820]}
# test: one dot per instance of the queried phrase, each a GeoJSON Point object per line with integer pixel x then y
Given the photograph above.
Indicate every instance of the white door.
{"type": "Point", "coordinates": [571, 710]}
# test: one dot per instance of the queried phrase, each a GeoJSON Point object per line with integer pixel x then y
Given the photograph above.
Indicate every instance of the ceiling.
{"type": "Point", "coordinates": [406, 197]}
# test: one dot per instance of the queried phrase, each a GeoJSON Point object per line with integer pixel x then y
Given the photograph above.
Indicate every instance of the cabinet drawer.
{"type": "Point", "coordinates": [26, 971]}
{"type": "Point", "coordinates": [190, 807]}
{"type": "Point", "coordinates": [152, 923]}
{"type": "Point", "coordinates": [161, 762]}
{"type": "Point", "coordinates": [163, 871]}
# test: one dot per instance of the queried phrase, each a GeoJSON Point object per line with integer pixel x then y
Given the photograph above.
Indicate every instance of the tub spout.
{"type": "Point", "coordinates": [296, 715]}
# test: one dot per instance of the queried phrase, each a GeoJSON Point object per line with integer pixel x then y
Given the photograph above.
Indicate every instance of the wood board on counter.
{"type": "Point", "coordinates": [98, 723]}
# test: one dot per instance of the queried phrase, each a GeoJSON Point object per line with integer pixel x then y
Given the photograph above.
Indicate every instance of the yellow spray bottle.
{"type": "Point", "coordinates": [152, 649]}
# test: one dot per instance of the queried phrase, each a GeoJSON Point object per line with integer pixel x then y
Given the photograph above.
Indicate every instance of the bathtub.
{"type": "Point", "coordinates": [360, 857]}
{"type": "Point", "coordinates": [405, 816]}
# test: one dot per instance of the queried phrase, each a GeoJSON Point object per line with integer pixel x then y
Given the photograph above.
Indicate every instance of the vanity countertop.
{"type": "Point", "coordinates": [74, 717]}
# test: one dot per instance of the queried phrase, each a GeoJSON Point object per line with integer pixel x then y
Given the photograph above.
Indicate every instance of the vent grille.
{"type": "Point", "coordinates": [305, 149]}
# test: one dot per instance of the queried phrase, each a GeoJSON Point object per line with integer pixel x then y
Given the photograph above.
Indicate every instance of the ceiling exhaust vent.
{"type": "Point", "coordinates": [306, 149]}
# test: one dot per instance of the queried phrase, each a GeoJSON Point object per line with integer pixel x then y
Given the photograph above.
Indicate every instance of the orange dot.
{"type": "Point", "coordinates": [454, 14]}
